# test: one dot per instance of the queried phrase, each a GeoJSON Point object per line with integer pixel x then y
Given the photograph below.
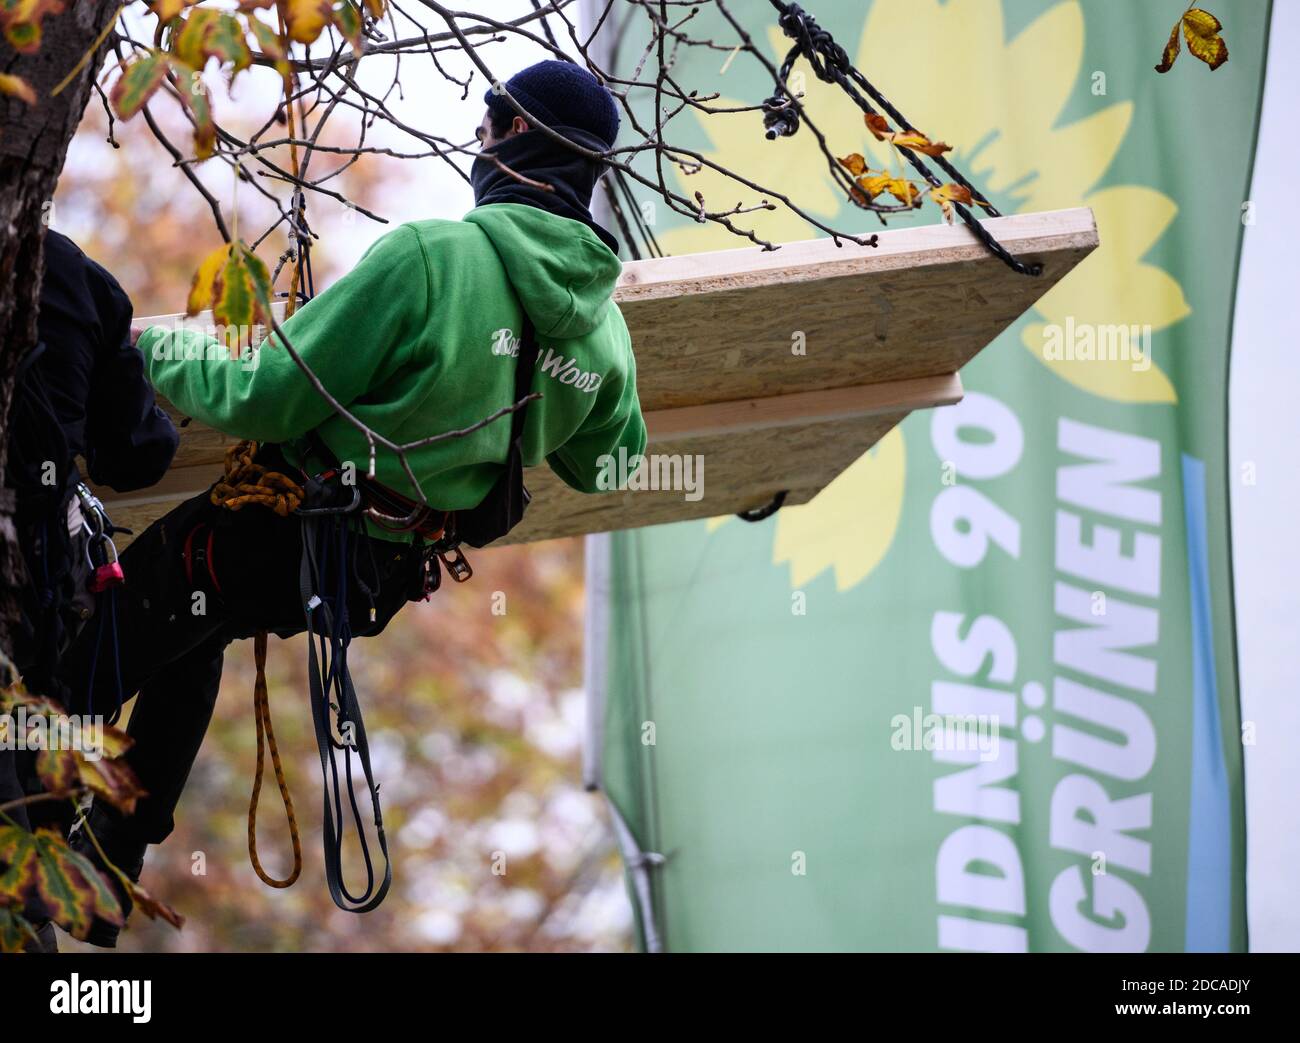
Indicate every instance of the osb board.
{"type": "Point", "coordinates": [718, 328]}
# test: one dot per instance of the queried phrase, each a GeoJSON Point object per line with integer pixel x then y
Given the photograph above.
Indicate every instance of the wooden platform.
{"type": "Point", "coordinates": [885, 331]}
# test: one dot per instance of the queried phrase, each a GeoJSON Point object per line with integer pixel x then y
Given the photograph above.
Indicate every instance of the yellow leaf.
{"type": "Point", "coordinates": [1172, 49]}
{"type": "Point", "coordinates": [900, 188]}
{"type": "Point", "coordinates": [17, 87]}
{"type": "Point", "coordinates": [946, 195]}
{"type": "Point", "coordinates": [910, 139]}
{"type": "Point", "coordinates": [166, 10]}
{"type": "Point", "coordinates": [918, 142]}
{"type": "Point", "coordinates": [21, 21]}
{"type": "Point", "coordinates": [306, 19]}
{"type": "Point", "coordinates": [201, 287]}
{"type": "Point", "coordinates": [854, 164]}
{"type": "Point", "coordinates": [1203, 40]}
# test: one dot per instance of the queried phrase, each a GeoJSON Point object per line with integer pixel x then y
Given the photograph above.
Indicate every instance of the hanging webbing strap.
{"type": "Point", "coordinates": [325, 543]}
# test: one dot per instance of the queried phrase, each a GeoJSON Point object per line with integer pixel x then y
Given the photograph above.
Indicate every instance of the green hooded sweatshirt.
{"type": "Point", "coordinates": [421, 338]}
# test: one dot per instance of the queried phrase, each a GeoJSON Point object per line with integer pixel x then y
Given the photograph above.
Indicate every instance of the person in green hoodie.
{"type": "Point", "coordinates": [421, 337]}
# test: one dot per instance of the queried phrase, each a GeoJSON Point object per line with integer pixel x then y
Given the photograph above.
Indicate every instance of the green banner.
{"type": "Point", "coordinates": [981, 693]}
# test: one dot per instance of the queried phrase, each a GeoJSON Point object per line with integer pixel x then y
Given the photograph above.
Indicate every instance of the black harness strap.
{"type": "Point", "coordinates": [325, 543]}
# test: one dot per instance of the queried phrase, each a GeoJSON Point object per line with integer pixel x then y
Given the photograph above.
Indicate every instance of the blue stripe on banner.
{"type": "Point", "coordinates": [1209, 834]}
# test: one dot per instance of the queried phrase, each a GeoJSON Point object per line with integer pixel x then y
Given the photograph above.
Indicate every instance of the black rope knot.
{"type": "Point", "coordinates": [780, 116]}
{"type": "Point", "coordinates": [814, 43]}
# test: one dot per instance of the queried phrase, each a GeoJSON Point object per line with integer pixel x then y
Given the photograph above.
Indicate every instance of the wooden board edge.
{"type": "Point", "coordinates": [802, 407]}
{"type": "Point", "coordinates": [1052, 231]}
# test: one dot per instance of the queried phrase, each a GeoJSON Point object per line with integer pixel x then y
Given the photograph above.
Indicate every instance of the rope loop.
{"type": "Point", "coordinates": [248, 482]}
{"type": "Point", "coordinates": [266, 738]}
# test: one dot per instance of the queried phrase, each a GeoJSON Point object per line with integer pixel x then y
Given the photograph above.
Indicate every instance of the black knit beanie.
{"type": "Point", "coordinates": [560, 94]}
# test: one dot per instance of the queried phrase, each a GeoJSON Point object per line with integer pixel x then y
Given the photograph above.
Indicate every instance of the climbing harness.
{"type": "Point", "coordinates": [830, 63]}
{"type": "Point", "coordinates": [329, 510]}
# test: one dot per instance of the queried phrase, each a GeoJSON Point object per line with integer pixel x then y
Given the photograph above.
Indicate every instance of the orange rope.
{"type": "Point", "coordinates": [247, 482]}
{"type": "Point", "coordinates": [262, 713]}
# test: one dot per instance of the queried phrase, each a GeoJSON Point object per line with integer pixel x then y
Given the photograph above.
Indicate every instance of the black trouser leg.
{"type": "Point", "coordinates": [168, 722]}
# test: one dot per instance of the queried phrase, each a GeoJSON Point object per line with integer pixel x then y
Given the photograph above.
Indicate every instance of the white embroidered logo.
{"type": "Point", "coordinates": [505, 343]}
{"type": "Point", "coordinates": [554, 365]}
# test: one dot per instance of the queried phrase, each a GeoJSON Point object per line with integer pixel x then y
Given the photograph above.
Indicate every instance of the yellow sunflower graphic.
{"type": "Point", "coordinates": [1003, 122]}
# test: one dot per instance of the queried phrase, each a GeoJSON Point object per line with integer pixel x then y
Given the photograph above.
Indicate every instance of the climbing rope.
{"type": "Point", "coordinates": [830, 64]}
{"type": "Point", "coordinates": [262, 714]}
{"type": "Point", "coordinates": [245, 482]}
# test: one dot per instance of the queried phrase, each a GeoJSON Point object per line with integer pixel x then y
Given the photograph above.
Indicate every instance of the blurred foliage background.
{"type": "Point", "coordinates": [476, 719]}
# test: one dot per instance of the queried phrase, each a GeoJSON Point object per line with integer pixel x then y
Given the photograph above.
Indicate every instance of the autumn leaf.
{"type": "Point", "coordinates": [267, 39]}
{"type": "Point", "coordinates": [900, 188]}
{"type": "Point", "coordinates": [15, 932]}
{"type": "Point", "coordinates": [347, 17]}
{"type": "Point", "coordinates": [918, 142]}
{"type": "Point", "coordinates": [205, 128]}
{"type": "Point", "coordinates": [909, 139]}
{"type": "Point", "coordinates": [868, 186]}
{"type": "Point", "coordinates": [878, 125]}
{"type": "Point", "coordinates": [241, 290]}
{"type": "Point", "coordinates": [17, 87]}
{"type": "Point", "coordinates": [155, 909]}
{"type": "Point", "coordinates": [111, 780]}
{"type": "Point", "coordinates": [854, 163]}
{"type": "Point", "coordinates": [1172, 49]}
{"type": "Point", "coordinates": [137, 83]}
{"type": "Point", "coordinates": [306, 19]}
{"type": "Point", "coordinates": [1203, 40]}
{"type": "Point", "coordinates": [72, 889]}
{"type": "Point", "coordinates": [946, 195]}
{"type": "Point", "coordinates": [22, 22]}
{"type": "Point", "coordinates": [194, 94]}
{"type": "Point", "coordinates": [67, 771]}
{"type": "Point", "coordinates": [166, 10]}
{"type": "Point", "coordinates": [201, 285]}
{"type": "Point", "coordinates": [211, 34]}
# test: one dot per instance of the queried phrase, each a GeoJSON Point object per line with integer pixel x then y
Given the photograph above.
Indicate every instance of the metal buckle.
{"type": "Point", "coordinates": [457, 566]}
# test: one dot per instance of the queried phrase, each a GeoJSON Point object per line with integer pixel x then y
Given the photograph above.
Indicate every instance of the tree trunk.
{"type": "Point", "coordinates": [33, 144]}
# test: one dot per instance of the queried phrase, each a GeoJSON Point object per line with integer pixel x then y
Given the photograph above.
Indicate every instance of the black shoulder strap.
{"type": "Point", "coordinates": [525, 367]}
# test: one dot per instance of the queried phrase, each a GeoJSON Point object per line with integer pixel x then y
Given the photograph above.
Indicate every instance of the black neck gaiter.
{"type": "Point", "coordinates": [571, 176]}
